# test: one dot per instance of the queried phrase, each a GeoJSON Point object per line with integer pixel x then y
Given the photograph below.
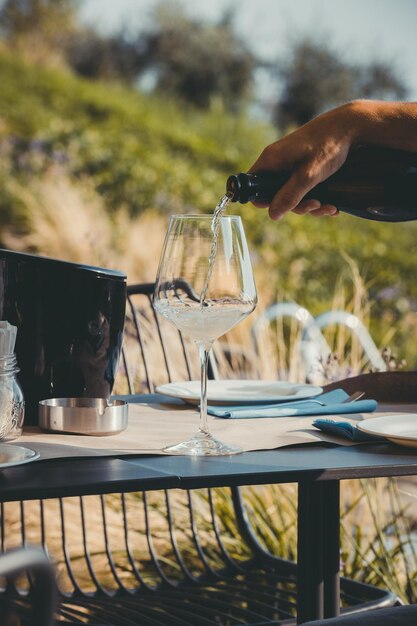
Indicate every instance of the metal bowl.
{"type": "Point", "coordinates": [83, 416]}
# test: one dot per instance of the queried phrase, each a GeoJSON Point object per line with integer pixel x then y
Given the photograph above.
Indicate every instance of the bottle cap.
{"type": "Point", "coordinates": [233, 187]}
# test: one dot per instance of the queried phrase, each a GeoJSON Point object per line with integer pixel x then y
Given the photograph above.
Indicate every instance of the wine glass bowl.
{"type": "Point", "coordinates": [204, 286]}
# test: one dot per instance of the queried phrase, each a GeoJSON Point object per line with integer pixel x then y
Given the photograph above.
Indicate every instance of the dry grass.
{"type": "Point", "coordinates": [92, 549]}
{"type": "Point", "coordinates": [69, 221]}
{"type": "Point", "coordinates": [378, 542]}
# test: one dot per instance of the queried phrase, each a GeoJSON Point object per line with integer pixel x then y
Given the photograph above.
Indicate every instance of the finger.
{"type": "Point", "coordinates": [325, 209]}
{"type": "Point", "coordinates": [261, 205]}
{"type": "Point", "coordinates": [291, 194]}
{"type": "Point", "coordinates": [306, 206]}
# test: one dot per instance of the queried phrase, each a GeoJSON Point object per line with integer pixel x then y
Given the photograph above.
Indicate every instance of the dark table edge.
{"type": "Point", "coordinates": [101, 475]}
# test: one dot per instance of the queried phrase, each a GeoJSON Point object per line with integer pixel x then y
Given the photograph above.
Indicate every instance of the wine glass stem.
{"type": "Point", "coordinates": [204, 350]}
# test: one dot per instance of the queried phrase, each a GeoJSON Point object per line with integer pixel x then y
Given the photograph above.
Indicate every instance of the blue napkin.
{"type": "Point", "coordinates": [344, 429]}
{"type": "Point", "coordinates": [333, 401]}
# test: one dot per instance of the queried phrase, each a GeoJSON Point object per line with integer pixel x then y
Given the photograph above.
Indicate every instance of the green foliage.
{"type": "Point", "coordinates": [197, 61]}
{"type": "Point", "coordinates": [20, 17]}
{"type": "Point", "coordinates": [93, 55]}
{"type": "Point", "coordinates": [140, 151]}
{"type": "Point", "coordinates": [38, 29]}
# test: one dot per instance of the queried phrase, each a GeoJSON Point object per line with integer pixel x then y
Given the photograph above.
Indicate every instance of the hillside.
{"type": "Point", "coordinates": [141, 154]}
{"type": "Point", "coordinates": [139, 150]}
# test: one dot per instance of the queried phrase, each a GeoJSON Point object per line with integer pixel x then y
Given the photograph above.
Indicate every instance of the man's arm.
{"type": "Point", "coordinates": [319, 148]}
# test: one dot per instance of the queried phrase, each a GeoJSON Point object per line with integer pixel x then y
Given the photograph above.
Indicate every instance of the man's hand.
{"type": "Point", "coordinates": [312, 153]}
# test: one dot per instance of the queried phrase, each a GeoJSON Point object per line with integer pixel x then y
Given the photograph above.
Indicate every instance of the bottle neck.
{"type": "Point", "coordinates": [262, 186]}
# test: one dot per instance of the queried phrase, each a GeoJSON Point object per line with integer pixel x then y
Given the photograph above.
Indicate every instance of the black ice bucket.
{"type": "Point", "coordinates": [70, 320]}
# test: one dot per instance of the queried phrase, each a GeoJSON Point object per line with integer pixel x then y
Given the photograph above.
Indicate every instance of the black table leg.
{"type": "Point", "coordinates": [310, 552]}
{"type": "Point", "coordinates": [331, 533]}
{"type": "Point", "coordinates": [318, 550]}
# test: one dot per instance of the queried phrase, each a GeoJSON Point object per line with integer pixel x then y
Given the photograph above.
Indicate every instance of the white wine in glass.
{"type": "Point", "coordinates": [204, 286]}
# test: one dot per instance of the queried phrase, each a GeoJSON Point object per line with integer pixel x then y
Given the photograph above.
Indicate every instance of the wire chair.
{"type": "Point", "coordinates": [40, 603]}
{"type": "Point", "coordinates": [174, 557]}
{"type": "Point", "coordinates": [393, 616]}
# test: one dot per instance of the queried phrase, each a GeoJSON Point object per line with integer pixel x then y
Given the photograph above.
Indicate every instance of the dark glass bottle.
{"type": "Point", "coordinates": [374, 183]}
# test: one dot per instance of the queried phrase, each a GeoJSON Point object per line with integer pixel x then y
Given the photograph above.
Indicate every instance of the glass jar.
{"type": "Point", "coordinates": [12, 403]}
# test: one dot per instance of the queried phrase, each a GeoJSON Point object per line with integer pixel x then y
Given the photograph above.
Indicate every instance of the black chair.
{"type": "Point", "coordinates": [395, 616]}
{"type": "Point", "coordinates": [39, 605]}
{"type": "Point", "coordinates": [172, 558]}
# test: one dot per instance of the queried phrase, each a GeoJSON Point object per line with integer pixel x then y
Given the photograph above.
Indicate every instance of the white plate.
{"type": "Point", "coordinates": [240, 391]}
{"type": "Point", "coordinates": [401, 429]}
{"type": "Point", "coordinates": [11, 455]}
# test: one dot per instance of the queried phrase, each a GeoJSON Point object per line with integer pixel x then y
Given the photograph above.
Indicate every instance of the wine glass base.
{"type": "Point", "coordinates": [202, 445]}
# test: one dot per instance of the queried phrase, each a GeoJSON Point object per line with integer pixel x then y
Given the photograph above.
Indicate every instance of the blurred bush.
{"type": "Point", "coordinates": [39, 30]}
{"type": "Point", "coordinates": [140, 151]}
{"type": "Point", "coordinates": [315, 76]}
{"type": "Point", "coordinates": [195, 60]}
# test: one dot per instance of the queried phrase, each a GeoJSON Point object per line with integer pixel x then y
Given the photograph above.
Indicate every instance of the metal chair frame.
{"type": "Point", "coordinates": [312, 347]}
{"type": "Point", "coordinates": [40, 605]}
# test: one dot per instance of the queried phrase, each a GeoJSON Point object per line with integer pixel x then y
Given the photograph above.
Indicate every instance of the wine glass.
{"type": "Point", "coordinates": [204, 286]}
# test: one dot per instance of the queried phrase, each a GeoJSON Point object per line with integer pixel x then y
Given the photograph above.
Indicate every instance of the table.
{"type": "Point", "coordinates": [317, 469]}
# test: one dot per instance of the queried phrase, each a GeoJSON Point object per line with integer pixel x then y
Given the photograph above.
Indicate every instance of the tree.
{"type": "Point", "coordinates": [40, 29]}
{"type": "Point", "coordinates": [109, 57]}
{"type": "Point", "coordinates": [195, 60]}
{"type": "Point", "coordinates": [378, 80]}
{"type": "Point", "coordinates": [315, 77]}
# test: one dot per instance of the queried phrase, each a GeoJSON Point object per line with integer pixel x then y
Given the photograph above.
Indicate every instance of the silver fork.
{"type": "Point", "coordinates": [352, 398]}
{"type": "Point", "coordinates": [357, 395]}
